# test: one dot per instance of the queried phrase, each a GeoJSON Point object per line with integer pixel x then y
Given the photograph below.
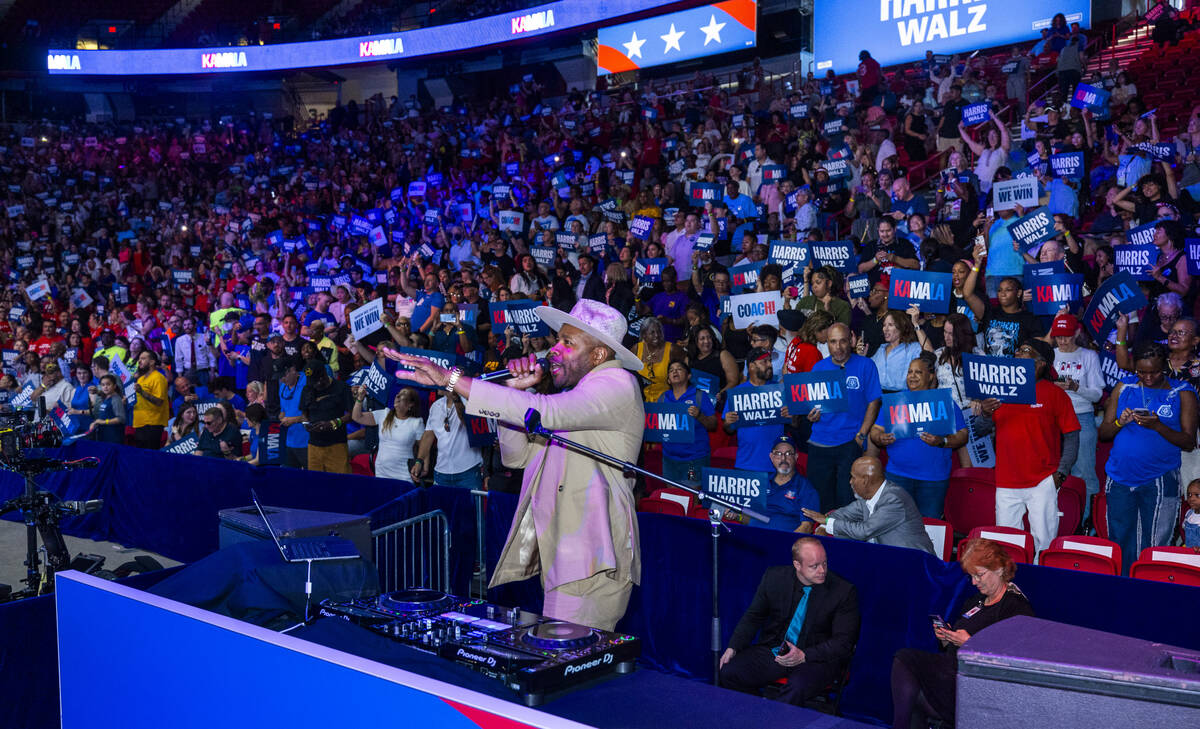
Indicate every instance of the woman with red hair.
{"type": "Point", "coordinates": [923, 682]}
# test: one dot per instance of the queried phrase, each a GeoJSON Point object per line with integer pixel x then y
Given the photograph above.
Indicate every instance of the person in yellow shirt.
{"type": "Point", "coordinates": [152, 408]}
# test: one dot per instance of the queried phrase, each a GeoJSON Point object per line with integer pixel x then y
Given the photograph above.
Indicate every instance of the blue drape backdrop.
{"type": "Point", "coordinates": [168, 504]}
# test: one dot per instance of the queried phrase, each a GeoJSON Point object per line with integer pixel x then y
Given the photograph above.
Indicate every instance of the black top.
{"type": "Point", "coordinates": [951, 116]}
{"type": "Point", "coordinates": [831, 620]}
{"type": "Point", "coordinates": [1004, 332]}
{"type": "Point", "coordinates": [210, 445]}
{"type": "Point", "coordinates": [711, 365]}
{"type": "Point", "coordinates": [975, 616]}
{"type": "Point", "coordinates": [328, 404]}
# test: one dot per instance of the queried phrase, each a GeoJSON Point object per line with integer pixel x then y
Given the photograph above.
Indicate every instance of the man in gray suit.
{"type": "Point", "coordinates": [882, 513]}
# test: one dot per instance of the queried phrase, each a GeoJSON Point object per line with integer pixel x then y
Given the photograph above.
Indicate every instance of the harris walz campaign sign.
{"type": "Point", "coordinates": [744, 488]}
{"type": "Point", "coordinates": [669, 422]}
{"type": "Point", "coordinates": [520, 315]}
{"type": "Point", "coordinates": [908, 413]}
{"type": "Point", "coordinates": [1007, 379]}
{"type": "Point", "coordinates": [759, 405]}
{"type": "Point", "coordinates": [1119, 294]}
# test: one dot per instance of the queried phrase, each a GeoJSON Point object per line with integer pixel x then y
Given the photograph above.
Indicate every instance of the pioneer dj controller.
{"type": "Point", "coordinates": [533, 655]}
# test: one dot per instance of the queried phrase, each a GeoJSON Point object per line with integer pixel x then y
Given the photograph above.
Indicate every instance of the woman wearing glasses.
{"type": "Point", "coordinates": [458, 462]}
{"type": "Point", "coordinates": [400, 427]}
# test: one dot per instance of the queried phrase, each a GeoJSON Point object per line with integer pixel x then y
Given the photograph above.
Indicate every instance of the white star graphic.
{"type": "Point", "coordinates": [634, 47]}
{"type": "Point", "coordinates": [712, 31]}
{"type": "Point", "coordinates": [672, 39]}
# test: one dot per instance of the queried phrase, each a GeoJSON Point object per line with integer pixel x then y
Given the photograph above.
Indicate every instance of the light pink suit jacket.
{"type": "Point", "coordinates": [576, 516]}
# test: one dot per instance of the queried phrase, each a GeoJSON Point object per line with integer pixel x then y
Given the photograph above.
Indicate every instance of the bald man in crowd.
{"type": "Point", "coordinates": [881, 512]}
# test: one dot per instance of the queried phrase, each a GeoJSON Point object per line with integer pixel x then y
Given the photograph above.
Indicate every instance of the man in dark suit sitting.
{"type": "Point", "coordinates": [806, 620]}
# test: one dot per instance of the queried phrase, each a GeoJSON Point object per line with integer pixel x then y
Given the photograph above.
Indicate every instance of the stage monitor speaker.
{"type": "Point", "coordinates": [244, 524]}
{"type": "Point", "coordinates": [1025, 672]}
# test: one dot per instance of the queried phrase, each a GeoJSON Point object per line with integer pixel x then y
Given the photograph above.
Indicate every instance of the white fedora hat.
{"type": "Point", "coordinates": [600, 321]}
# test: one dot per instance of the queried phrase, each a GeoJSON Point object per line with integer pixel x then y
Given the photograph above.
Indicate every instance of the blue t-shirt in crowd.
{"type": "Point", "coordinates": [1140, 455]}
{"type": "Point", "coordinates": [1002, 260]}
{"type": "Point", "coordinates": [289, 406]}
{"type": "Point", "coordinates": [426, 303]}
{"type": "Point", "coordinates": [862, 387]}
{"type": "Point", "coordinates": [698, 448]}
{"type": "Point", "coordinates": [754, 444]}
{"type": "Point", "coordinates": [785, 501]}
{"type": "Point", "coordinates": [179, 403]}
{"type": "Point", "coordinates": [324, 316]}
{"type": "Point", "coordinates": [913, 458]}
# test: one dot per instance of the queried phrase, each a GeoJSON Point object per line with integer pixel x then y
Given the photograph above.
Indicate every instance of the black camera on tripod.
{"type": "Point", "coordinates": [19, 433]}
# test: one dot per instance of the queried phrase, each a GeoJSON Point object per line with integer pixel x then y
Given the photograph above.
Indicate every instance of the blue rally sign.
{"type": "Point", "coordinates": [1090, 97]}
{"type": "Point", "coordinates": [1068, 165]}
{"type": "Point", "coordinates": [520, 315]}
{"type": "Point", "coordinates": [929, 291]}
{"type": "Point", "coordinates": [744, 488]}
{"type": "Point", "coordinates": [1007, 379]}
{"type": "Point", "coordinates": [669, 422]}
{"type": "Point", "coordinates": [649, 270]}
{"type": "Point", "coordinates": [908, 413]}
{"type": "Point", "coordinates": [837, 253]}
{"type": "Point", "coordinates": [1032, 229]}
{"type": "Point", "coordinates": [1136, 259]}
{"type": "Point", "coordinates": [640, 227]}
{"type": "Point", "coordinates": [744, 278]}
{"type": "Point", "coordinates": [976, 114]}
{"type": "Point", "coordinates": [792, 256]}
{"type": "Point", "coordinates": [1141, 235]}
{"type": "Point", "coordinates": [1052, 292]}
{"type": "Point", "coordinates": [756, 405]}
{"type": "Point", "coordinates": [1119, 294]}
{"type": "Point", "coordinates": [1192, 246]}
{"type": "Point", "coordinates": [804, 391]}
{"type": "Point", "coordinates": [858, 286]}
{"type": "Point", "coordinates": [702, 192]}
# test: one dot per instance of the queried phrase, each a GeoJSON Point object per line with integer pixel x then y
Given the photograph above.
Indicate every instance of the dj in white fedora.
{"type": "Point", "coordinates": [575, 524]}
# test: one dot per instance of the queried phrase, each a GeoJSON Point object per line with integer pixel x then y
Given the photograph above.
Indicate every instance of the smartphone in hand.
{"type": "Point", "coordinates": [939, 621]}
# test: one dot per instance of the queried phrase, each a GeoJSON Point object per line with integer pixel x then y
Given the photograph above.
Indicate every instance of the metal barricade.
{"type": "Point", "coordinates": [479, 580]}
{"type": "Point", "coordinates": [414, 553]}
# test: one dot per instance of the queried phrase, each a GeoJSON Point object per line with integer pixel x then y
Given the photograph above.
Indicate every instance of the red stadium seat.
{"type": "Point", "coordinates": [652, 459]}
{"type": "Point", "coordinates": [652, 505]}
{"type": "Point", "coordinates": [724, 457]}
{"type": "Point", "coordinates": [1100, 514]}
{"type": "Point", "coordinates": [685, 500]}
{"type": "Point", "coordinates": [1018, 543]}
{"type": "Point", "coordinates": [941, 533]}
{"type": "Point", "coordinates": [1087, 554]}
{"type": "Point", "coordinates": [1175, 555]}
{"type": "Point", "coordinates": [1179, 574]}
{"type": "Point", "coordinates": [971, 498]}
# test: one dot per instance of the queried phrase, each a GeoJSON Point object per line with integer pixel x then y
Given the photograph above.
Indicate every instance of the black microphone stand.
{"type": "Point", "coordinates": [717, 507]}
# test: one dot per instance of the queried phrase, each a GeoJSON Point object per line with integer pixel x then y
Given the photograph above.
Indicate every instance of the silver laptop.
{"type": "Point", "coordinates": [316, 549]}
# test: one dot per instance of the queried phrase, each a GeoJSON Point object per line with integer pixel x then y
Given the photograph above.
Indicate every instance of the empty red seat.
{"type": "Point", "coordinates": [971, 498]}
{"type": "Point", "coordinates": [1087, 554]}
{"type": "Point", "coordinates": [1017, 542]}
{"type": "Point", "coordinates": [941, 533]}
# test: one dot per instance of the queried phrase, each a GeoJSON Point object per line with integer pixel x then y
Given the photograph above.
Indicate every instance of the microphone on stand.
{"type": "Point", "coordinates": [505, 373]}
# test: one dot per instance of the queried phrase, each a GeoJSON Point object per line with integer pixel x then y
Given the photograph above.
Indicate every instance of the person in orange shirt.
{"type": "Point", "coordinates": [152, 408]}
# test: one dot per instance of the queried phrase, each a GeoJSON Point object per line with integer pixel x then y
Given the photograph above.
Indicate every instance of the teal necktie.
{"type": "Point", "coordinates": [794, 627]}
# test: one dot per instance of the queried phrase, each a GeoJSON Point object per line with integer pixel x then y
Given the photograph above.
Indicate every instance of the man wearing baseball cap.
{"type": "Point", "coordinates": [575, 524]}
{"type": "Point", "coordinates": [1046, 435]}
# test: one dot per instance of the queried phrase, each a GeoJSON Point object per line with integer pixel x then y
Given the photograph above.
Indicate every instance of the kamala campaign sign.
{"type": "Point", "coordinates": [756, 405]}
{"type": "Point", "coordinates": [744, 278]}
{"type": "Point", "coordinates": [1032, 229]}
{"type": "Point", "coordinates": [520, 315]}
{"type": "Point", "coordinates": [702, 192]}
{"type": "Point", "coordinates": [758, 308]}
{"type": "Point", "coordinates": [929, 291]}
{"type": "Point", "coordinates": [1090, 97]}
{"type": "Point", "coordinates": [804, 391]}
{"type": "Point", "coordinates": [1054, 291]}
{"type": "Point", "coordinates": [744, 488]}
{"type": "Point", "coordinates": [908, 413]}
{"type": "Point", "coordinates": [669, 422]}
{"type": "Point", "coordinates": [649, 270]}
{"type": "Point", "coordinates": [837, 253]}
{"type": "Point", "coordinates": [1007, 379]}
{"type": "Point", "coordinates": [1136, 259]}
{"type": "Point", "coordinates": [1068, 165]}
{"type": "Point", "coordinates": [1119, 294]}
{"type": "Point", "coordinates": [976, 114]}
{"type": "Point", "coordinates": [900, 31]}
{"type": "Point", "coordinates": [1007, 194]}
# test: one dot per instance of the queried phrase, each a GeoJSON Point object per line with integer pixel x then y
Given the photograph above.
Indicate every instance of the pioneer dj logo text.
{"type": "Point", "coordinates": [532, 22]}
{"type": "Point", "coordinates": [477, 658]}
{"type": "Point", "coordinates": [580, 667]}
{"type": "Point", "coordinates": [229, 59]}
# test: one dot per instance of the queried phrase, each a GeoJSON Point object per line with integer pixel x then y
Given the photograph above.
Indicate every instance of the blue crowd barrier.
{"type": "Point", "coordinates": [168, 504]}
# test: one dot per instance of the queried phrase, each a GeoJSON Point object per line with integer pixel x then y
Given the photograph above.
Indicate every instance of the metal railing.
{"type": "Point", "coordinates": [414, 553]}
{"type": "Point", "coordinates": [479, 580]}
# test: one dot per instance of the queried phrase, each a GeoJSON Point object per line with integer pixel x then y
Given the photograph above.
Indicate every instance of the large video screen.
{"type": "Point", "coordinates": [695, 33]}
{"type": "Point", "coordinates": [492, 30]}
{"type": "Point", "coordinates": [900, 31]}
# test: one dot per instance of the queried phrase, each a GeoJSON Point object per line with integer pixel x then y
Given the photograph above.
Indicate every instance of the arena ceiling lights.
{"type": "Point", "coordinates": [704, 31]}
{"type": "Point", "coordinates": [492, 30]}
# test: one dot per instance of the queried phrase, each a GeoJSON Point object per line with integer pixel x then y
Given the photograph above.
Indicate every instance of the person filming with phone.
{"type": "Point", "coordinates": [923, 682]}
